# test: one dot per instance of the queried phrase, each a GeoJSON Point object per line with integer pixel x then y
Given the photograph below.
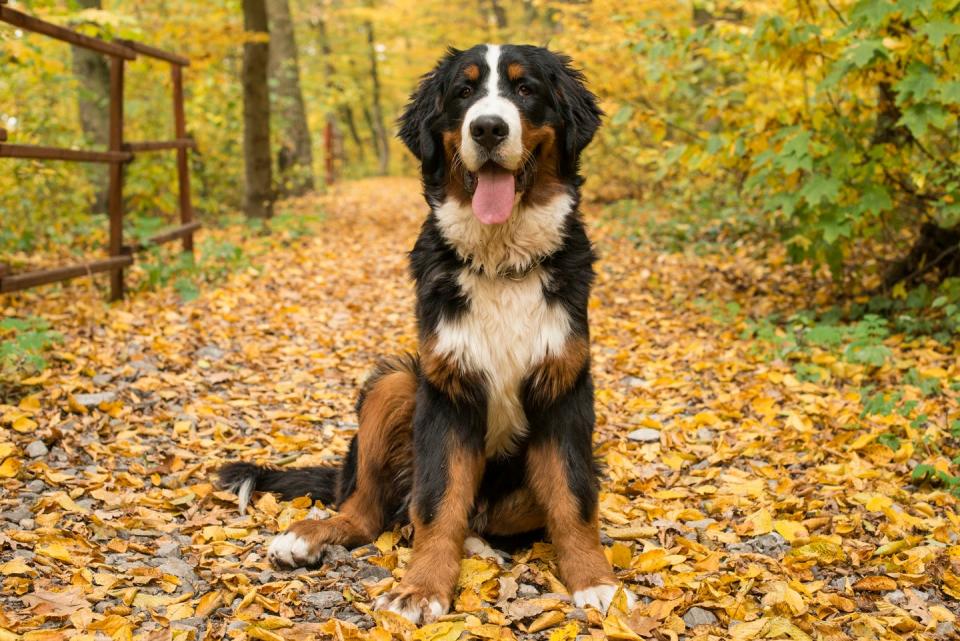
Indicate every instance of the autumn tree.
{"type": "Point", "coordinates": [295, 155]}
{"type": "Point", "coordinates": [499, 14]}
{"type": "Point", "coordinates": [93, 78]}
{"type": "Point", "coordinates": [258, 202]}
{"type": "Point", "coordinates": [333, 137]}
{"type": "Point", "coordinates": [380, 136]}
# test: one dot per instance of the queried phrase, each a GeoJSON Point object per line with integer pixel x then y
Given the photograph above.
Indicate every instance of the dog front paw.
{"type": "Point", "coordinates": [601, 597]}
{"type": "Point", "coordinates": [416, 604]}
{"type": "Point", "coordinates": [300, 546]}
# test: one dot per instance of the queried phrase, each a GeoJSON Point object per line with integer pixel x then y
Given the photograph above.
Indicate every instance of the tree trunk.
{"type": "Point", "coordinates": [258, 201]}
{"type": "Point", "coordinates": [347, 115]}
{"type": "Point", "coordinates": [530, 12]}
{"type": "Point", "coordinates": [333, 148]}
{"type": "Point", "coordinates": [295, 157]}
{"type": "Point", "coordinates": [936, 249]}
{"type": "Point", "coordinates": [499, 14]}
{"type": "Point", "coordinates": [888, 129]}
{"type": "Point", "coordinates": [335, 153]}
{"type": "Point", "coordinates": [93, 76]}
{"type": "Point", "coordinates": [380, 138]}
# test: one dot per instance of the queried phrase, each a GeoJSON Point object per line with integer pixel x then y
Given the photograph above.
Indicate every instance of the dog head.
{"type": "Point", "coordinates": [499, 125]}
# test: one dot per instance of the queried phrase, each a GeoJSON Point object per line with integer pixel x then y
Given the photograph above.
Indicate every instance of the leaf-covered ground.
{"type": "Point", "coordinates": [740, 499]}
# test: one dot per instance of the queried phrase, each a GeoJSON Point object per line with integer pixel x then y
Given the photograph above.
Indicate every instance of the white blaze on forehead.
{"type": "Point", "coordinates": [509, 153]}
{"type": "Point", "coordinates": [493, 61]}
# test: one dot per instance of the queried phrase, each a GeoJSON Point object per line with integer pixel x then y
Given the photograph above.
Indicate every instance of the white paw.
{"type": "Point", "coordinates": [415, 610]}
{"type": "Point", "coordinates": [475, 546]}
{"type": "Point", "coordinates": [601, 596]}
{"type": "Point", "coordinates": [290, 551]}
{"type": "Point", "coordinates": [317, 514]}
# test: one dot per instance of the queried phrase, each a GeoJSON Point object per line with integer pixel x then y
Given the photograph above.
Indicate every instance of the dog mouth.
{"type": "Point", "coordinates": [494, 190]}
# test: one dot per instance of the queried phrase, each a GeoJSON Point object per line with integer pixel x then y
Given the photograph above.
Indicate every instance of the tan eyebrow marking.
{"type": "Point", "coordinates": [515, 71]}
{"type": "Point", "coordinates": [472, 72]}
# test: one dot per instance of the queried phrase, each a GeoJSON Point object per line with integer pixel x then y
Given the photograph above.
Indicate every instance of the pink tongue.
{"type": "Point", "coordinates": [493, 199]}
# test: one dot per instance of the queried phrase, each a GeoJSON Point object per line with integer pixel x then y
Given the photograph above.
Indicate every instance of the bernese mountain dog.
{"type": "Point", "coordinates": [488, 428]}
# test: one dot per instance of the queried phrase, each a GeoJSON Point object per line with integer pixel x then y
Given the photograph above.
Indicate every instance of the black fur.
{"type": "Point", "coordinates": [571, 275]}
{"type": "Point", "coordinates": [422, 124]}
{"type": "Point", "coordinates": [319, 483]}
{"type": "Point", "coordinates": [567, 425]}
{"type": "Point", "coordinates": [439, 425]}
{"type": "Point", "coordinates": [434, 265]}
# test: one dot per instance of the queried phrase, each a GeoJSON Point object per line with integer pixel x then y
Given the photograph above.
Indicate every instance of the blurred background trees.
{"type": "Point", "coordinates": [825, 126]}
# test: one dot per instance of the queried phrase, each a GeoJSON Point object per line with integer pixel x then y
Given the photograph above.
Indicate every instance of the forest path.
{"type": "Point", "coordinates": [736, 497]}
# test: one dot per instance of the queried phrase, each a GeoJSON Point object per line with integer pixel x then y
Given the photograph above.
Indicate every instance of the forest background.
{"type": "Point", "coordinates": [821, 133]}
{"type": "Point", "coordinates": [775, 194]}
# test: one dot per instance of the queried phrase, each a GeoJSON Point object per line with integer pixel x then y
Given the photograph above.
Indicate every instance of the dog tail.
{"type": "Point", "coordinates": [319, 483]}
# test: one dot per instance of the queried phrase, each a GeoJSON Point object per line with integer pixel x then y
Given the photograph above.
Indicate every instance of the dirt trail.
{"type": "Point", "coordinates": [738, 501]}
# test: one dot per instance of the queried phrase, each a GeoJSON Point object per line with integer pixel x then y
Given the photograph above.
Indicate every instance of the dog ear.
{"type": "Point", "coordinates": [418, 124]}
{"type": "Point", "coordinates": [578, 105]}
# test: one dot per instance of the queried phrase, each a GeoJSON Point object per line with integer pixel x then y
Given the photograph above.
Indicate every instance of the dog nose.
{"type": "Point", "coordinates": [489, 131]}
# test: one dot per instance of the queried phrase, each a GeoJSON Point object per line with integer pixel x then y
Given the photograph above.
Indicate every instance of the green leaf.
{"type": "Point", "coordinates": [889, 440]}
{"type": "Point", "coordinates": [919, 118]}
{"type": "Point", "coordinates": [918, 83]}
{"type": "Point", "coordinates": [820, 188]}
{"type": "Point", "coordinates": [910, 8]}
{"type": "Point", "coordinates": [923, 471]}
{"type": "Point", "coordinates": [864, 52]}
{"type": "Point", "coordinates": [950, 92]}
{"type": "Point", "coordinates": [825, 335]}
{"type": "Point", "coordinates": [939, 31]}
{"type": "Point", "coordinates": [795, 153]}
{"type": "Point", "coordinates": [787, 203]}
{"type": "Point", "coordinates": [622, 116]}
{"type": "Point", "coordinates": [876, 199]}
{"type": "Point", "coordinates": [833, 229]}
{"type": "Point", "coordinates": [948, 214]}
{"type": "Point", "coordinates": [674, 154]}
{"type": "Point", "coordinates": [872, 13]}
{"type": "Point", "coordinates": [874, 355]}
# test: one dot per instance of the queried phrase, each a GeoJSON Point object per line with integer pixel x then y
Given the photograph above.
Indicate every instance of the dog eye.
{"type": "Point", "coordinates": [524, 90]}
{"type": "Point", "coordinates": [466, 92]}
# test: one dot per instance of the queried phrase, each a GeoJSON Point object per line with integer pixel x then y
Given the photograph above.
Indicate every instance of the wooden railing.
{"type": "Point", "coordinates": [119, 153]}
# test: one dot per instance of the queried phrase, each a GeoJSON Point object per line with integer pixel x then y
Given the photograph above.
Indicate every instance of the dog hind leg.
{"type": "Point", "coordinates": [375, 482]}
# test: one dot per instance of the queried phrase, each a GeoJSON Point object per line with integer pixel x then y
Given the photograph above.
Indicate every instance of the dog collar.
{"type": "Point", "coordinates": [512, 273]}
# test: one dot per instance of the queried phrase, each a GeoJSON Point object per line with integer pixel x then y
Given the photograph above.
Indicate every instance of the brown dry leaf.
{"type": "Point", "coordinates": [55, 604]}
{"type": "Point", "coordinates": [10, 467]}
{"type": "Point", "coordinates": [822, 551]}
{"type": "Point", "coordinates": [651, 560]}
{"type": "Point", "coordinates": [545, 620]}
{"type": "Point", "coordinates": [616, 626]}
{"type": "Point", "coordinates": [263, 634]}
{"type": "Point", "coordinates": [474, 572]}
{"type": "Point", "coordinates": [643, 625]}
{"type": "Point", "coordinates": [875, 584]}
{"type": "Point", "coordinates": [620, 555]}
{"type": "Point", "coordinates": [17, 566]}
{"type": "Point", "coordinates": [568, 632]}
{"type": "Point", "coordinates": [442, 631]}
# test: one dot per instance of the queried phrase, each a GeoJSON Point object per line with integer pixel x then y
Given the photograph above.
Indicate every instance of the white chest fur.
{"type": "Point", "coordinates": [508, 329]}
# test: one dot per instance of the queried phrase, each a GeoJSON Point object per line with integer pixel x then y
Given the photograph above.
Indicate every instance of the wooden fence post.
{"type": "Point", "coordinates": [183, 168]}
{"type": "Point", "coordinates": [115, 193]}
{"type": "Point", "coordinates": [119, 153]}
